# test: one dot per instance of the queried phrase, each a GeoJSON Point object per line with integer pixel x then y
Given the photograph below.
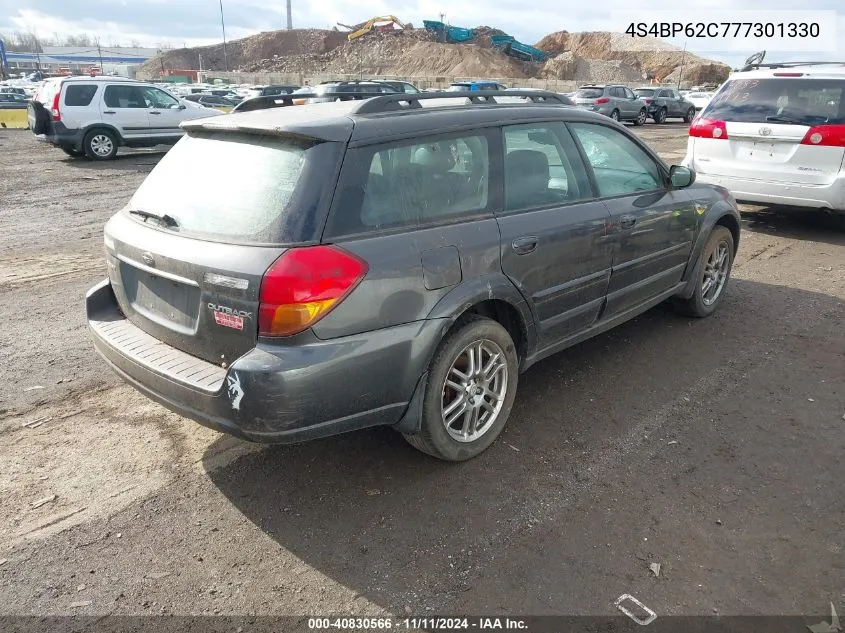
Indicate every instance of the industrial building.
{"type": "Point", "coordinates": [80, 60]}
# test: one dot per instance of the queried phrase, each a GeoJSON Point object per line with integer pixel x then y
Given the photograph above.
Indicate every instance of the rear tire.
{"type": "Point", "coordinates": [615, 115]}
{"type": "Point", "coordinates": [660, 116]}
{"type": "Point", "coordinates": [712, 273]}
{"type": "Point", "coordinates": [493, 377]}
{"type": "Point", "coordinates": [100, 144]}
{"type": "Point", "coordinates": [641, 117]}
{"type": "Point", "coordinates": [689, 116]}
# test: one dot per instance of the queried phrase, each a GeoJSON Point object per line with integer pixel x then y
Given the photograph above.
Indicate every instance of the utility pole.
{"type": "Point", "coordinates": [683, 59]}
{"type": "Point", "coordinates": [100, 54]}
{"type": "Point", "coordinates": [290, 16]}
{"type": "Point", "coordinates": [223, 24]}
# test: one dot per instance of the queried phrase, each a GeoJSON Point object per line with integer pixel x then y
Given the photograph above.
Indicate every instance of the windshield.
{"type": "Point", "coordinates": [806, 101]}
{"type": "Point", "coordinates": [225, 185]}
{"type": "Point", "coordinates": [644, 92]}
{"type": "Point", "coordinates": [589, 93]}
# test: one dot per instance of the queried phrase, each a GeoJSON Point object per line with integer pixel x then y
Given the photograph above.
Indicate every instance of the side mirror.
{"type": "Point", "coordinates": [681, 176]}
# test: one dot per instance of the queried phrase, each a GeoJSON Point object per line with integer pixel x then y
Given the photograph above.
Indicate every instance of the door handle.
{"type": "Point", "coordinates": [627, 221]}
{"type": "Point", "coordinates": [154, 112]}
{"type": "Point", "coordinates": [524, 245]}
{"type": "Point", "coordinates": [109, 112]}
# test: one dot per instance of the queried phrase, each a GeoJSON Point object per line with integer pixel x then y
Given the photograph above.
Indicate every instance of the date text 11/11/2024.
{"type": "Point", "coordinates": [418, 623]}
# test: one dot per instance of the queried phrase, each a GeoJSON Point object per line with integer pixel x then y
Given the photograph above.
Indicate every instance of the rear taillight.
{"type": "Point", "coordinates": [825, 135]}
{"type": "Point", "coordinates": [648, 101]}
{"type": "Point", "coordinates": [708, 128]}
{"type": "Point", "coordinates": [57, 116]}
{"type": "Point", "coordinates": [601, 100]}
{"type": "Point", "coordinates": [303, 285]}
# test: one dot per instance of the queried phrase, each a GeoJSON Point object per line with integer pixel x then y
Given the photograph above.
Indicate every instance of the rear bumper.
{"type": "Point", "coordinates": [61, 136]}
{"type": "Point", "coordinates": [830, 196]}
{"type": "Point", "coordinates": [274, 393]}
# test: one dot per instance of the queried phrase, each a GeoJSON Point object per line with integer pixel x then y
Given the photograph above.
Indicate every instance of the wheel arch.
{"type": "Point", "coordinates": [102, 126]}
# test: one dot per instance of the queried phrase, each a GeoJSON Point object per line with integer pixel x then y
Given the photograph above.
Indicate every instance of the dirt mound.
{"type": "Point", "coordinates": [571, 67]}
{"type": "Point", "coordinates": [245, 52]}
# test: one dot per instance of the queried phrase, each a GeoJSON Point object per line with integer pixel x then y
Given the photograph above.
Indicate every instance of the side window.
{"type": "Point", "coordinates": [629, 94]}
{"type": "Point", "coordinates": [538, 171]}
{"type": "Point", "coordinates": [409, 185]}
{"type": "Point", "coordinates": [620, 166]}
{"type": "Point", "coordinates": [124, 97]}
{"type": "Point", "coordinates": [79, 95]}
{"type": "Point", "coordinates": [156, 98]}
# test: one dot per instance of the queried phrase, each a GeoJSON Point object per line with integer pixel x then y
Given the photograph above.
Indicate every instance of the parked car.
{"type": "Point", "coordinates": [12, 101]}
{"type": "Point", "coordinates": [222, 104]}
{"type": "Point", "coordinates": [269, 91]}
{"type": "Point", "coordinates": [615, 101]}
{"type": "Point", "coordinates": [699, 99]}
{"type": "Point", "coordinates": [400, 86]}
{"type": "Point", "coordinates": [93, 116]}
{"type": "Point", "coordinates": [12, 90]}
{"type": "Point", "coordinates": [472, 86]}
{"type": "Point", "coordinates": [665, 103]}
{"type": "Point", "coordinates": [333, 90]}
{"type": "Point", "coordinates": [463, 244]}
{"type": "Point", "coordinates": [775, 134]}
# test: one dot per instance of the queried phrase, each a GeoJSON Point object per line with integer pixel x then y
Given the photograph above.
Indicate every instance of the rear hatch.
{"type": "Point", "coordinates": [586, 96]}
{"type": "Point", "coordinates": [787, 129]}
{"type": "Point", "coordinates": [187, 255]}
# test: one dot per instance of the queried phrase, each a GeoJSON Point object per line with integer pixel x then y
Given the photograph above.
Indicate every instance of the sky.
{"type": "Point", "coordinates": [196, 22]}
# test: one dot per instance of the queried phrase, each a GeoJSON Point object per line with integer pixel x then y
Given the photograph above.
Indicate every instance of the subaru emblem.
{"type": "Point", "coordinates": [148, 259]}
{"type": "Point", "coordinates": [765, 131]}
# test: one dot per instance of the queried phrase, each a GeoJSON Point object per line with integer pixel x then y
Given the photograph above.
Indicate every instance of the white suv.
{"type": "Point", "coordinates": [93, 116]}
{"type": "Point", "coordinates": [775, 134]}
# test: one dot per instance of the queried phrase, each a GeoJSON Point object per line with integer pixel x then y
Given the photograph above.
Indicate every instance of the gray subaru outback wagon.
{"type": "Point", "coordinates": [300, 272]}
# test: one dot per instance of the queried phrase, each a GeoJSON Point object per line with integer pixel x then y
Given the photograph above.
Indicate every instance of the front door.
{"type": "Point", "coordinates": [653, 225]}
{"type": "Point", "coordinates": [165, 114]}
{"type": "Point", "coordinates": [123, 107]}
{"type": "Point", "coordinates": [553, 232]}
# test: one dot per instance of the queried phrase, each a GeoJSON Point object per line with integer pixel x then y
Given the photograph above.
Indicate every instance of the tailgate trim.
{"type": "Point", "coordinates": [149, 352]}
{"type": "Point", "coordinates": [157, 272]}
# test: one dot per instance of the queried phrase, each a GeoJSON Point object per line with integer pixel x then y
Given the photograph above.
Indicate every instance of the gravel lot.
{"type": "Point", "coordinates": [713, 447]}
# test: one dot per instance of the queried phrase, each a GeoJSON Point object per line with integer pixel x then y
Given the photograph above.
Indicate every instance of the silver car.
{"type": "Point", "coordinates": [616, 101]}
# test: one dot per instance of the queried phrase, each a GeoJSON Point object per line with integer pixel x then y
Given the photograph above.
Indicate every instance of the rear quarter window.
{"type": "Point", "coordinates": [79, 95]}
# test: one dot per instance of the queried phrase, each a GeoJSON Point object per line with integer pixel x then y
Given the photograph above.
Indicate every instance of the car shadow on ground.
{"type": "Point", "coordinates": [800, 224]}
{"type": "Point", "coordinates": [377, 516]}
{"type": "Point", "coordinates": [126, 160]}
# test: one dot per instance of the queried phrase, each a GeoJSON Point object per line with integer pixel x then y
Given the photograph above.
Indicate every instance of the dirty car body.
{"type": "Point", "coordinates": [301, 294]}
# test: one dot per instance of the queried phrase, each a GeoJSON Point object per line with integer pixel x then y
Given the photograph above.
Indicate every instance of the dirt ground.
{"type": "Point", "coordinates": [713, 447]}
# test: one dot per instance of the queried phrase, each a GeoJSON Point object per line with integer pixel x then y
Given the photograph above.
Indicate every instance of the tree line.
{"type": "Point", "coordinates": [28, 42]}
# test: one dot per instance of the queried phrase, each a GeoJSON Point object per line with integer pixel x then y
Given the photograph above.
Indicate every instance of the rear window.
{"type": "Point", "coordinates": [804, 101]}
{"type": "Point", "coordinates": [644, 92]}
{"type": "Point", "coordinates": [588, 93]}
{"type": "Point", "coordinates": [231, 187]}
{"type": "Point", "coordinates": [79, 95]}
{"type": "Point", "coordinates": [47, 91]}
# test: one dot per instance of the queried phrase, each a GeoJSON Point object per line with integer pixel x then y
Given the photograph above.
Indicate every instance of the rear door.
{"type": "Point", "coordinates": [555, 247]}
{"type": "Point", "coordinates": [771, 123]}
{"type": "Point", "coordinates": [123, 106]}
{"type": "Point", "coordinates": [632, 104]}
{"type": "Point", "coordinates": [230, 205]}
{"type": "Point", "coordinates": [653, 226]}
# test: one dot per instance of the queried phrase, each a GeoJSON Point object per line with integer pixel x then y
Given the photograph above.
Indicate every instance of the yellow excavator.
{"type": "Point", "coordinates": [383, 22]}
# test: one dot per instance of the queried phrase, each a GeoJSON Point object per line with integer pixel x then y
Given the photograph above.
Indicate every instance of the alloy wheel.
{"type": "Point", "coordinates": [715, 273]}
{"type": "Point", "coordinates": [102, 145]}
{"type": "Point", "coordinates": [474, 390]}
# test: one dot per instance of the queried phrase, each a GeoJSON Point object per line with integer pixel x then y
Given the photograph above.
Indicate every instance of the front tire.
{"type": "Point", "coordinates": [660, 116]}
{"type": "Point", "coordinates": [712, 274]}
{"type": "Point", "coordinates": [689, 116]}
{"type": "Point", "coordinates": [469, 392]}
{"type": "Point", "coordinates": [100, 145]}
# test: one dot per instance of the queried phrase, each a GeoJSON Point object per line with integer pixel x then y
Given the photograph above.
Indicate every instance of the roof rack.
{"type": "Point", "coordinates": [788, 65]}
{"type": "Point", "coordinates": [279, 101]}
{"type": "Point", "coordinates": [402, 101]}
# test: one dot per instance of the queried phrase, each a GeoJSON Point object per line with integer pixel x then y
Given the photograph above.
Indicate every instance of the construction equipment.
{"type": "Point", "coordinates": [446, 33]}
{"type": "Point", "coordinates": [508, 45]}
{"type": "Point", "coordinates": [380, 23]}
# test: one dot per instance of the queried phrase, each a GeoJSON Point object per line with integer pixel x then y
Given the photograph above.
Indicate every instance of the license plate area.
{"type": "Point", "coordinates": [167, 302]}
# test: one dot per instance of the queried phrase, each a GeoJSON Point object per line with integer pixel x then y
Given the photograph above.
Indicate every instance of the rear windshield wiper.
{"type": "Point", "coordinates": [167, 220]}
{"type": "Point", "coordinates": [785, 119]}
